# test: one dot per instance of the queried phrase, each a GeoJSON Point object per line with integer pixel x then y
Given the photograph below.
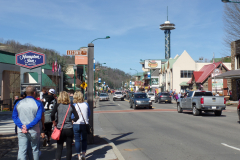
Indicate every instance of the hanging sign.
{"type": "Point", "coordinates": [30, 59]}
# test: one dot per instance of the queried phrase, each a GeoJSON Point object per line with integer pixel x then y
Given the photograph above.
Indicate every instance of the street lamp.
{"type": "Point", "coordinates": [107, 37]}
{"type": "Point", "coordinates": [74, 68]}
{"type": "Point", "coordinates": [90, 84]}
{"type": "Point", "coordinates": [135, 70]}
{"type": "Point", "coordinates": [227, 1]}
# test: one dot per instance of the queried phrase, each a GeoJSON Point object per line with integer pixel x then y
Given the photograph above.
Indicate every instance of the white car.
{"type": "Point", "coordinates": [118, 95]}
{"type": "Point", "coordinates": [151, 96]}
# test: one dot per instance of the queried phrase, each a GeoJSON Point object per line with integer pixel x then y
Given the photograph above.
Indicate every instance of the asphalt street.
{"type": "Point", "coordinates": [162, 133]}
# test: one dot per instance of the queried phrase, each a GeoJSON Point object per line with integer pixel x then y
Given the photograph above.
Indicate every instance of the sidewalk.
{"type": "Point", "coordinates": [103, 149]}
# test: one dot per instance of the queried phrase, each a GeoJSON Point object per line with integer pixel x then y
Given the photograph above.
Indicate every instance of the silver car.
{"type": "Point", "coordinates": [118, 95]}
{"type": "Point", "coordinates": [151, 96]}
{"type": "Point", "coordinates": [103, 97]}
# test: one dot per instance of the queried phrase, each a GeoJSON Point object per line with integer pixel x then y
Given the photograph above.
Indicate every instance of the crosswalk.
{"type": "Point", "coordinates": [7, 127]}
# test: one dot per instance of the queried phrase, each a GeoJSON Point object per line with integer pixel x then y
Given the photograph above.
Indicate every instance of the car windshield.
{"type": "Point", "coordinates": [150, 94]}
{"type": "Point", "coordinates": [118, 93]}
{"type": "Point", "coordinates": [140, 96]}
{"type": "Point", "coordinates": [103, 94]}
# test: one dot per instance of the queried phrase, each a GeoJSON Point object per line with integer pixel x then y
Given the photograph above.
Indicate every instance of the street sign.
{"type": "Point", "coordinates": [81, 52]}
{"type": "Point", "coordinates": [99, 80]}
{"type": "Point", "coordinates": [84, 85]}
{"type": "Point", "coordinates": [30, 59]}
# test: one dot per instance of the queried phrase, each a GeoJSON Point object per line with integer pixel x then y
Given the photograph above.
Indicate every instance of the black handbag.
{"type": "Point", "coordinates": [88, 126]}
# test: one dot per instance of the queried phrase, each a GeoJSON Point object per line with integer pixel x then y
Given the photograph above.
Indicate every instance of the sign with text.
{"type": "Point", "coordinates": [81, 52]}
{"type": "Point", "coordinates": [152, 64]}
{"type": "Point", "coordinates": [37, 86]}
{"type": "Point", "coordinates": [81, 60]}
{"type": "Point", "coordinates": [30, 59]}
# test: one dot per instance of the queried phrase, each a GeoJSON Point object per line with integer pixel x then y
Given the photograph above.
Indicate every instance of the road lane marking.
{"type": "Point", "coordinates": [231, 146]}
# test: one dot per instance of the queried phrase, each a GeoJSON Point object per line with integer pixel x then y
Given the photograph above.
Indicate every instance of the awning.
{"type": "Point", "coordinates": [234, 74]}
{"type": "Point", "coordinates": [184, 84]}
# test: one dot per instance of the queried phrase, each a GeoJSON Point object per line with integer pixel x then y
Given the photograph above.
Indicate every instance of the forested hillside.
{"type": "Point", "coordinates": [112, 77]}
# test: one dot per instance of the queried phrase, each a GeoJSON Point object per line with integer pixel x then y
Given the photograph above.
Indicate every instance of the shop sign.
{"type": "Point", "coordinates": [30, 59]}
{"type": "Point", "coordinates": [152, 64]}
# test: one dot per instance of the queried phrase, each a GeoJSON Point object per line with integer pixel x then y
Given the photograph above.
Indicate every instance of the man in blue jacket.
{"type": "Point", "coordinates": [26, 115]}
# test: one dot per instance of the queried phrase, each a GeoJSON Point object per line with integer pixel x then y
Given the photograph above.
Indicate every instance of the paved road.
{"type": "Point", "coordinates": [162, 133]}
{"type": "Point", "coordinates": [7, 125]}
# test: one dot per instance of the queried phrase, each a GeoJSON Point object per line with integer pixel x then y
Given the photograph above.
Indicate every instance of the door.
{"type": "Point", "coordinates": [189, 100]}
{"type": "Point", "coordinates": [184, 100]}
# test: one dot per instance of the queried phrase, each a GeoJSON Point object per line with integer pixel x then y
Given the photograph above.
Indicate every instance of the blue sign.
{"type": "Point", "coordinates": [99, 80]}
{"type": "Point", "coordinates": [94, 64]}
{"type": "Point", "coordinates": [149, 75]}
{"type": "Point", "coordinates": [104, 82]}
{"type": "Point", "coordinates": [130, 82]}
{"type": "Point", "coordinates": [30, 59]}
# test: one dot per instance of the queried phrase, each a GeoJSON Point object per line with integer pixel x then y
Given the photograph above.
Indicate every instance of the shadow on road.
{"type": "Point", "coordinates": [117, 140]}
{"type": "Point", "coordinates": [204, 114]}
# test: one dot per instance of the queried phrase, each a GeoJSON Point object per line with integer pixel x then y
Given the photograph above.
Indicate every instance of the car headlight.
{"type": "Point", "coordinates": [138, 101]}
{"type": "Point", "coordinates": [150, 101]}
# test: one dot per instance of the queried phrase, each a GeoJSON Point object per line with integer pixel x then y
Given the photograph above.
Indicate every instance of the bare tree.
{"type": "Point", "coordinates": [231, 23]}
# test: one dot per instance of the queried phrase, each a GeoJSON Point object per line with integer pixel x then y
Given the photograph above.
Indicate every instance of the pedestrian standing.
{"type": "Point", "coordinates": [179, 95]}
{"type": "Point", "coordinates": [26, 115]}
{"type": "Point", "coordinates": [67, 132]}
{"type": "Point", "coordinates": [79, 127]}
{"type": "Point", "coordinates": [176, 97]}
{"type": "Point", "coordinates": [48, 101]}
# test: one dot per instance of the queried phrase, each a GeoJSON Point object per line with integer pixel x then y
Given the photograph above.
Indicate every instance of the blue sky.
{"type": "Point", "coordinates": [133, 26]}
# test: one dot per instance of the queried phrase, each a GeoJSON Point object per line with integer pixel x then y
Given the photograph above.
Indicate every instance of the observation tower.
{"type": "Point", "coordinates": [167, 27]}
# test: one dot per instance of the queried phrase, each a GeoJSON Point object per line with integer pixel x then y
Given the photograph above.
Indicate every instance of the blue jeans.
{"type": "Point", "coordinates": [80, 134]}
{"type": "Point", "coordinates": [24, 140]}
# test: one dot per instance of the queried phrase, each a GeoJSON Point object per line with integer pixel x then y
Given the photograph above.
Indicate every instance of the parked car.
{"type": "Point", "coordinates": [163, 97]}
{"type": "Point", "coordinates": [151, 96]}
{"type": "Point", "coordinates": [139, 100]}
{"type": "Point", "coordinates": [198, 101]}
{"type": "Point", "coordinates": [118, 95]}
{"type": "Point", "coordinates": [103, 97]}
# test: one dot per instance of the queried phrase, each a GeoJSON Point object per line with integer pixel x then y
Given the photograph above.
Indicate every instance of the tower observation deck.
{"type": "Point", "coordinates": [167, 27]}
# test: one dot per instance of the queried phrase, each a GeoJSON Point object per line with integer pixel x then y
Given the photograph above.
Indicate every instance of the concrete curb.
{"type": "Point", "coordinates": [115, 149]}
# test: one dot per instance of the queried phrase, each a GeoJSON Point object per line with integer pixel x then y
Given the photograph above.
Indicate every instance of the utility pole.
{"type": "Point", "coordinates": [90, 87]}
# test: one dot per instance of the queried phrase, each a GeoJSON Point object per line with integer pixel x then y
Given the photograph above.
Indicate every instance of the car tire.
{"type": "Point", "coordinates": [195, 111]}
{"type": "Point", "coordinates": [179, 109]}
{"type": "Point", "coordinates": [113, 99]}
{"type": "Point", "coordinates": [130, 105]}
{"type": "Point", "coordinates": [218, 113]}
{"type": "Point", "coordinates": [122, 99]}
{"type": "Point", "coordinates": [150, 107]}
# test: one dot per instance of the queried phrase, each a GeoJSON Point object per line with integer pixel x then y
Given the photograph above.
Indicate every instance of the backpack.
{"type": "Point", "coordinates": [48, 111]}
{"type": "Point", "coordinates": [47, 116]}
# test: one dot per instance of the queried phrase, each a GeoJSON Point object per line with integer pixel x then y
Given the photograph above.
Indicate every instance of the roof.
{"type": "Point", "coordinates": [229, 75]}
{"type": "Point", "coordinates": [171, 62]}
{"type": "Point", "coordinates": [7, 57]}
{"type": "Point", "coordinates": [205, 71]}
{"type": "Point", "coordinates": [46, 81]}
{"type": "Point", "coordinates": [184, 84]}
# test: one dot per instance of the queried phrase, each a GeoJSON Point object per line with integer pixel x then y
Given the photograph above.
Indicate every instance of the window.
{"type": "Point", "coordinates": [186, 73]}
{"type": "Point", "coordinates": [190, 94]}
